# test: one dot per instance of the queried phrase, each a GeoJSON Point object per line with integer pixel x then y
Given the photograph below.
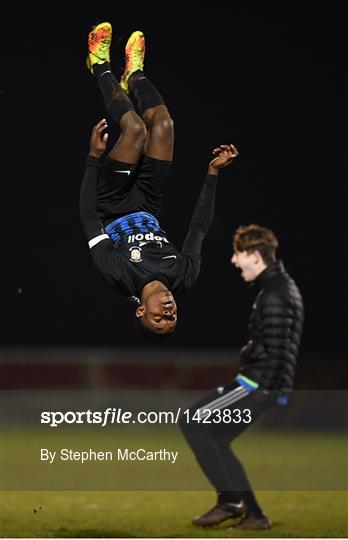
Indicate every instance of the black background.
{"type": "Point", "coordinates": [269, 80]}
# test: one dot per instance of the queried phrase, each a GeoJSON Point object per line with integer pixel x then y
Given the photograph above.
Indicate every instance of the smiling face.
{"type": "Point", "coordinates": [251, 264]}
{"type": "Point", "coordinates": [158, 312]}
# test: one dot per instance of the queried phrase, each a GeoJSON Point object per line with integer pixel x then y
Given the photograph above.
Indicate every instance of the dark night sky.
{"type": "Point", "coordinates": [270, 81]}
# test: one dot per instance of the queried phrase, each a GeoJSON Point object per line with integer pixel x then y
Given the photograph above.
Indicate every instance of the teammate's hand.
{"type": "Point", "coordinates": [224, 155]}
{"type": "Point", "coordinates": [99, 139]}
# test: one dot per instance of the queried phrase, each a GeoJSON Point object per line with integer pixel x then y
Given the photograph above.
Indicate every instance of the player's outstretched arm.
{"type": "Point", "coordinates": [203, 215]}
{"type": "Point", "coordinates": [88, 193]}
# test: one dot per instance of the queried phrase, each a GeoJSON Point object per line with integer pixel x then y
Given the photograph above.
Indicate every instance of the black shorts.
{"type": "Point", "coordinates": [125, 189]}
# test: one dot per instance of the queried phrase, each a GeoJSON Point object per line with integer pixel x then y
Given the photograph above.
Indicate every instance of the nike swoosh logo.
{"type": "Point", "coordinates": [169, 257]}
{"type": "Point", "coordinates": [123, 172]}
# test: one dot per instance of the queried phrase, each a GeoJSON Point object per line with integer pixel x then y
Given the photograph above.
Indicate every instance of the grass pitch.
{"type": "Point", "coordinates": [306, 459]}
{"type": "Point", "coordinates": [163, 514]}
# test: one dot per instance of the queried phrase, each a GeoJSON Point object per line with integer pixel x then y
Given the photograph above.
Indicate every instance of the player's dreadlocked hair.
{"type": "Point", "coordinates": [256, 238]}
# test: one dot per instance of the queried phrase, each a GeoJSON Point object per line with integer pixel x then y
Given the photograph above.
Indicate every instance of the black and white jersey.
{"type": "Point", "coordinates": [130, 265]}
{"type": "Point", "coordinates": [136, 251]}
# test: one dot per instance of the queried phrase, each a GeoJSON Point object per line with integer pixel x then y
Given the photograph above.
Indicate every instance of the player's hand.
{"type": "Point", "coordinates": [99, 139]}
{"type": "Point", "coordinates": [223, 156]}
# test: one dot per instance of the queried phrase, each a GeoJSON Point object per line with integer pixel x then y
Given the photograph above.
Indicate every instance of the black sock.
{"type": "Point", "coordinates": [225, 497]}
{"type": "Point", "coordinates": [252, 506]}
{"type": "Point", "coordinates": [143, 92]}
{"type": "Point", "coordinates": [117, 103]}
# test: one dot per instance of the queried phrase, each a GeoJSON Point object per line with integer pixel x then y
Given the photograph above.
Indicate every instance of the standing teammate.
{"type": "Point", "coordinates": [266, 377]}
{"type": "Point", "coordinates": [122, 199]}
